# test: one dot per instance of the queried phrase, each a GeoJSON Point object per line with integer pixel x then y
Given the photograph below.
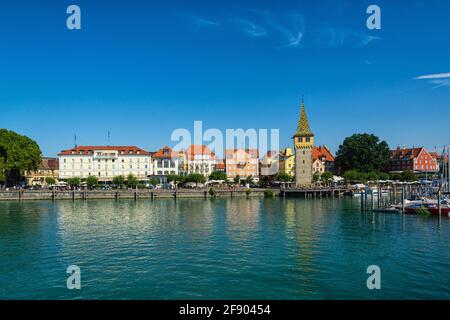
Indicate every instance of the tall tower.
{"type": "Point", "coordinates": [303, 143]}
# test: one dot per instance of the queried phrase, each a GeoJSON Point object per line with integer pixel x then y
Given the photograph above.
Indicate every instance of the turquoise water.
{"type": "Point", "coordinates": [219, 249]}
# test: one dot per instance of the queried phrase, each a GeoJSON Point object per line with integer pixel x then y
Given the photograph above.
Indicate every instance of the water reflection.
{"type": "Point", "coordinates": [253, 248]}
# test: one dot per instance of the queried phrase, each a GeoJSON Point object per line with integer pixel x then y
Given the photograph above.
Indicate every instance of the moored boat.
{"type": "Point", "coordinates": [428, 208]}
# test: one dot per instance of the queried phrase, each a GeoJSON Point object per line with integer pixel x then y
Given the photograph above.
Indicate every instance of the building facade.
{"type": "Point", "coordinates": [105, 162]}
{"type": "Point", "coordinates": [49, 168]}
{"type": "Point", "coordinates": [242, 162]}
{"type": "Point", "coordinates": [220, 166]}
{"type": "Point", "coordinates": [412, 159]}
{"type": "Point", "coordinates": [166, 162]}
{"type": "Point", "coordinates": [303, 143]}
{"type": "Point", "coordinates": [323, 160]}
{"type": "Point", "coordinates": [200, 159]}
{"type": "Point", "coordinates": [287, 161]}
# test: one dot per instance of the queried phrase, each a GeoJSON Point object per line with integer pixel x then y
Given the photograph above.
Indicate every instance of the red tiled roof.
{"type": "Point", "coordinates": [90, 149]}
{"type": "Point", "coordinates": [194, 149]}
{"type": "Point", "coordinates": [165, 152]}
{"type": "Point", "coordinates": [322, 152]}
{"type": "Point", "coordinates": [220, 165]}
{"type": "Point", "coordinates": [405, 153]}
{"type": "Point", "coordinates": [253, 153]}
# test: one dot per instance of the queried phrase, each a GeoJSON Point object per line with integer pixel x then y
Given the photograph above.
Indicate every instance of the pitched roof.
{"type": "Point", "coordinates": [303, 128]}
{"type": "Point", "coordinates": [165, 152]}
{"type": "Point", "coordinates": [322, 152]}
{"type": "Point", "coordinates": [84, 150]}
{"type": "Point", "coordinates": [196, 149]}
{"type": "Point", "coordinates": [405, 153]}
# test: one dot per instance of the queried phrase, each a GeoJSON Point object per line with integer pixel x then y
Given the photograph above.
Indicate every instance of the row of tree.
{"type": "Point", "coordinates": [358, 176]}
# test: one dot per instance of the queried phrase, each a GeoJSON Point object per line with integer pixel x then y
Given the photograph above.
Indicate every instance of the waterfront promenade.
{"type": "Point", "coordinates": [129, 194]}
{"type": "Point", "coordinates": [161, 193]}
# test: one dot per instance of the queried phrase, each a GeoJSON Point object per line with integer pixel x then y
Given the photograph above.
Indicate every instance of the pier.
{"type": "Point", "coordinates": [312, 193]}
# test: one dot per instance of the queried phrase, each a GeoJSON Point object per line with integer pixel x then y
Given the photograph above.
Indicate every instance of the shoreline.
{"type": "Point", "coordinates": [27, 195]}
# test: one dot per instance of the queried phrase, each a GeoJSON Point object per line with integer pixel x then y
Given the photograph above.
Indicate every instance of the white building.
{"type": "Point", "coordinates": [105, 162]}
{"type": "Point", "coordinates": [200, 159]}
{"type": "Point", "coordinates": [165, 162]}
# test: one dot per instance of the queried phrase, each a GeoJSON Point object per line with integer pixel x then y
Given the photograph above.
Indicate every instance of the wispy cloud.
{"type": "Point", "coordinates": [441, 83]}
{"type": "Point", "coordinates": [251, 28]}
{"type": "Point", "coordinates": [438, 79]}
{"type": "Point", "coordinates": [199, 22]}
{"type": "Point", "coordinates": [291, 29]}
{"type": "Point", "coordinates": [434, 76]}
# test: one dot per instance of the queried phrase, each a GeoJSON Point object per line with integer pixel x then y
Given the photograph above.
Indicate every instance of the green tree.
{"type": "Point", "coordinates": [316, 177]}
{"type": "Point", "coordinates": [74, 182]}
{"type": "Point", "coordinates": [237, 180]}
{"type": "Point", "coordinates": [50, 180]}
{"type": "Point", "coordinates": [371, 176]}
{"type": "Point", "coordinates": [154, 181]}
{"type": "Point", "coordinates": [362, 152]}
{"type": "Point", "coordinates": [353, 176]}
{"type": "Point", "coordinates": [92, 182]}
{"type": "Point", "coordinates": [383, 175]}
{"type": "Point", "coordinates": [395, 176]}
{"type": "Point", "coordinates": [196, 178]}
{"type": "Point", "coordinates": [119, 181]}
{"type": "Point", "coordinates": [408, 175]}
{"type": "Point", "coordinates": [327, 177]}
{"type": "Point", "coordinates": [218, 175]}
{"type": "Point", "coordinates": [175, 178]}
{"type": "Point", "coordinates": [18, 154]}
{"type": "Point", "coordinates": [249, 180]}
{"type": "Point", "coordinates": [132, 181]}
{"type": "Point", "coordinates": [283, 177]}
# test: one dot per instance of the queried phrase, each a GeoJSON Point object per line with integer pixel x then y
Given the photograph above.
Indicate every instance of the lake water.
{"type": "Point", "coordinates": [219, 249]}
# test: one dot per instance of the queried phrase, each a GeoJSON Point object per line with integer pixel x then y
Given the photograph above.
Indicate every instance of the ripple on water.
{"type": "Point", "coordinates": [222, 248]}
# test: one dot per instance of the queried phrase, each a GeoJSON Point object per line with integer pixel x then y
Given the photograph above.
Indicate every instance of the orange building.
{"type": "Point", "coordinates": [242, 162]}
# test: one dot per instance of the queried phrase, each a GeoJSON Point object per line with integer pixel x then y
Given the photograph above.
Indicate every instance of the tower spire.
{"type": "Point", "coordinates": [303, 128]}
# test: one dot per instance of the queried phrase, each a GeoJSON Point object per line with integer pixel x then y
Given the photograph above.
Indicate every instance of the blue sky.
{"type": "Point", "coordinates": [141, 69]}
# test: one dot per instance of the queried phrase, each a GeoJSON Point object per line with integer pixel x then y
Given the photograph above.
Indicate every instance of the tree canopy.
{"type": "Point", "coordinates": [18, 154]}
{"type": "Point", "coordinates": [195, 177]}
{"type": "Point", "coordinates": [218, 175]}
{"type": "Point", "coordinates": [132, 181]}
{"type": "Point", "coordinates": [362, 152]}
{"type": "Point", "coordinates": [284, 177]}
{"type": "Point", "coordinates": [119, 181]}
{"type": "Point", "coordinates": [92, 182]}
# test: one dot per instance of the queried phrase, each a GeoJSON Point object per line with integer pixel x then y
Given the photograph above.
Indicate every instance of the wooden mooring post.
{"type": "Point", "coordinates": [362, 201]}
{"type": "Point", "coordinates": [403, 199]}
{"type": "Point", "coordinates": [439, 202]}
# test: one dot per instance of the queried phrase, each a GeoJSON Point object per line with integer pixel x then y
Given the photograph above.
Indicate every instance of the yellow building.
{"type": "Point", "coordinates": [49, 168]}
{"type": "Point", "coordinates": [287, 161]}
